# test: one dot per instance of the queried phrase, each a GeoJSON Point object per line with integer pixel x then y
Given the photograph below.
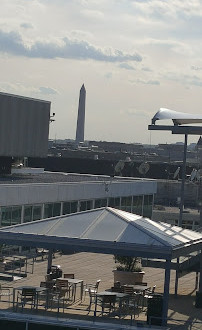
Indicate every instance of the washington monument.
{"type": "Point", "coordinates": [81, 116]}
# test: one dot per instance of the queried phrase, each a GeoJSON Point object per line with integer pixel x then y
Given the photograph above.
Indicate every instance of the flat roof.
{"type": "Point", "coordinates": [56, 177]}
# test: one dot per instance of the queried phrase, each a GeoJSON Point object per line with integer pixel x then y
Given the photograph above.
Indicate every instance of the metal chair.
{"type": "Point", "coordinates": [128, 289]}
{"type": "Point", "coordinates": [93, 287]}
{"type": "Point", "coordinates": [106, 302]}
{"type": "Point", "coordinates": [27, 296]}
{"type": "Point", "coordinates": [5, 292]}
{"type": "Point", "coordinates": [63, 287]}
{"type": "Point", "coordinates": [132, 306]}
{"type": "Point", "coordinates": [147, 295]}
{"type": "Point", "coordinates": [141, 283]}
{"type": "Point", "coordinates": [92, 298]}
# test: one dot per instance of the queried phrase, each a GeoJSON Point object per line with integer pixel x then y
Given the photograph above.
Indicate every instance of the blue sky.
{"type": "Point", "coordinates": [133, 57]}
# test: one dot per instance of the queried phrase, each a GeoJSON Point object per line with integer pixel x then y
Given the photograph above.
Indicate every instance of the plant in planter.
{"type": "Point", "coordinates": [128, 270]}
{"type": "Point", "coordinates": [128, 264]}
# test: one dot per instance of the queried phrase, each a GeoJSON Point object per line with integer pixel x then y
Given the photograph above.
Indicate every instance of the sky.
{"type": "Point", "coordinates": [133, 56]}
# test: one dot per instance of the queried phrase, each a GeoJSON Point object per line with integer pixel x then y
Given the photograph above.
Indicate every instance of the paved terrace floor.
{"type": "Point", "coordinates": [90, 267]}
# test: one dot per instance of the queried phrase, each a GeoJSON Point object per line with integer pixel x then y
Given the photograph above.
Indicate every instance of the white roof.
{"type": "Point", "coordinates": [103, 228]}
{"type": "Point", "coordinates": [178, 118]}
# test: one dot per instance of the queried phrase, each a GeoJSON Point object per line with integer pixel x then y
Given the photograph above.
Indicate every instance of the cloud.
{"type": "Point", "coordinates": [126, 66]}
{"type": "Point", "coordinates": [135, 112]}
{"type": "Point", "coordinates": [147, 69]}
{"type": "Point", "coordinates": [26, 26]}
{"type": "Point", "coordinates": [108, 75]}
{"type": "Point", "coordinates": [12, 43]}
{"type": "Point", "coordinates": [146, 82]}
{"type": "Point", "coordinates": [47, 90]}
{"type": "Point", "coordinates": [21, 89]}
{"type": "Point", "coordinates": [196, 68]}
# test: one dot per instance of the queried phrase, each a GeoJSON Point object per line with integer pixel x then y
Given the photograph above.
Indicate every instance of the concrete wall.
{"type": "Point", "coordinates": [13, 194]}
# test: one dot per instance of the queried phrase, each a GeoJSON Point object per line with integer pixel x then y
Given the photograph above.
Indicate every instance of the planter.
{"type": "Point", "coordinates": [127, 277]}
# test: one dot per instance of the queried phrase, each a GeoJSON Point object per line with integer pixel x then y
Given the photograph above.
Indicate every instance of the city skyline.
{"type": "Point", "coordinates": [134, 57]}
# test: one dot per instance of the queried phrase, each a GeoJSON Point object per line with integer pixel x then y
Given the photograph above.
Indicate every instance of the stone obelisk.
{"type": "Point", "coordinates": [81, 116]}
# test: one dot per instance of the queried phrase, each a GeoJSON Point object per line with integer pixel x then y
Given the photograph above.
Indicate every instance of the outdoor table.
{"type": "Point", "coordinates": [119, 296]}
{"type": "Point", "coordinates": [139, 287]}
{"type": "Point", "coordinates": [74, 282]}
{"type": "Point", "coordinates": [20, 288]}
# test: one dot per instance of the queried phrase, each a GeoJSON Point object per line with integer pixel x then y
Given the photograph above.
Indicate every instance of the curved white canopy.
{"type": "Point", "coordinates": [178, 118]}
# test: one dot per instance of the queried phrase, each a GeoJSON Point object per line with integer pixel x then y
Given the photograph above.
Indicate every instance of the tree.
{"type": "Point", "coordinates": [128, 264]}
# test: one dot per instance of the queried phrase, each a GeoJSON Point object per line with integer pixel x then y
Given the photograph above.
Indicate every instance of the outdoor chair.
{"type": "Point", "coordinates": [107, 303]}
{"type": "Point", "coordinates": [5, 292]}
{"type": "Point", "coordinates": [128, 289]}
{"type": "Point", "coordinates": [132, 307]}
{"type": "Point", "coordinates": [68, 276]}
{"type": "Point", "coordinates": [27, 296]}
{"type": "Point", "coordinates": [58, 299]}
{"type": "Point", "coordinates": [147, 295]}
{"type": "Point", "coordinates": [92, 298]}
{"type": "Point", "coordinates": [141, 283]}
{"type": "Point", "coordinates": [116, 289]}
{"type": "Point", "coordinates": [93, 287]}
{"type": "Point", "coordinates": [63, 287]}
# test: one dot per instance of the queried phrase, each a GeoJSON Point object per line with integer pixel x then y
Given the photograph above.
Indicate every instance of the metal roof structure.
{"type": "Point", "coordinates": [105, 230]}
{"type": "Point", "coordinates": [178, 118]}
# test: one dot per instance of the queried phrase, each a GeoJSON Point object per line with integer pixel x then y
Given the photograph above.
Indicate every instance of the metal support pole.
{"type": "Point", "coordinates": [200, 277]}
{"type": "Point", "coordinates": [196, 282]}
{"type": "Point", "coordinates": [176, 278]}
{"type": "Point", "coordinates": [183, 181]}
{"type": "Point", "coordinates": [50, 257]}
{"type": "Point", "coordinates": [166, 292]}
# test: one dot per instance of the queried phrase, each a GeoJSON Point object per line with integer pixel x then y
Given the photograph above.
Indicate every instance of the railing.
{"type": "Point", "coordinates": [173, 324]}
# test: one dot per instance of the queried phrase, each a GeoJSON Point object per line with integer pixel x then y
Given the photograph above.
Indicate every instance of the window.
{"type": "Point", "coordinates": [56, 209]}
{"type": "Point", "coordinates": [114, 202]}
{"type": "Point", "coordinates": [100, 203]}
{"type": "Point", "coordinates": [137, 205]}
{"type": "Point", "coordinates": [16, 215]}
{"type": "Point", "coordinates": [147, 208]}
{"type": "Point", "coordinates": [70, 207]}
{"type": "Point", "coordinates": [27, 213]}
{"type": "Point", "coordinates": [85, 205]}
{"type": "Point", "coordinates": [51, 210]}
{"type": "Point", "coordinates": [126, 203]}
{"type": "Point", "coordinates": [11, 215]}
{"type": "Point", "coordinates": [6, 216]}
{"type": "Point", "coordinates": [36, 212]}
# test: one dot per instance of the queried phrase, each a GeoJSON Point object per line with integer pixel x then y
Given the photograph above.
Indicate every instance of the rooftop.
{"type": "Point", "coordinates": [182, 312]}
{"type": "Point", "coordinates": [55, 177]}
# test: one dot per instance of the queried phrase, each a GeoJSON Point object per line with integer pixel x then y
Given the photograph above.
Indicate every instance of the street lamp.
{"type": "Point", "coordinates": [178, 118]}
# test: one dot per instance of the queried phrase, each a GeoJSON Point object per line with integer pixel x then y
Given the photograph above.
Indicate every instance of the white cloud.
{"type": "Point", "coordinates": [47, 90]}
{"type": "Point", "coordinates": [12, 43]}
{"type": "Point", "coordinates": [26, 25]}
{"type": "Point", "coordinates": [126, 66]}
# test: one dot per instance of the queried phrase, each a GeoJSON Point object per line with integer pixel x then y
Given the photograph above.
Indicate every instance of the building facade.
{"type": "Point", "coordinates": [36, 195]}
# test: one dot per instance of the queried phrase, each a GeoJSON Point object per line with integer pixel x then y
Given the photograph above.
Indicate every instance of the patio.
{"type": "Point", "coordinates": [109, 231]}
{"type": "Point", "coordinates": [181, 309]}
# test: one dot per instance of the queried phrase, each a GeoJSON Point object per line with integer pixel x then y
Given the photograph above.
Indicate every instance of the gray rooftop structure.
{"type": "Point", "coordinates": [24, 126]}
{"type": "Point", "coordinates": [106, 230]}
{"type": "Point", "coordinates": [56, 177]}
